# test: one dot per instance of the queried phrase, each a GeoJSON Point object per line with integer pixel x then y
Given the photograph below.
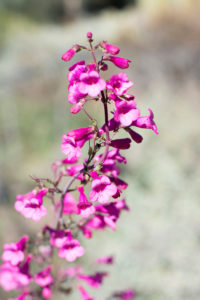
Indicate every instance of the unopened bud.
{"type": "Point", "coordinates": [89, 35]}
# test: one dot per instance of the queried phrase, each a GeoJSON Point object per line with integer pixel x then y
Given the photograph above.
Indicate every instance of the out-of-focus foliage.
{"type": "Point", "coordinates": [59, 10]}
{"type": "Point", "coordinates": [95, 5]}
{"type": "Point", "coordinates": [51, 10]}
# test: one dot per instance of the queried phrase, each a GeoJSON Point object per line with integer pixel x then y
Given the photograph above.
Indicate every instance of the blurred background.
{"type": "Point", "coordinates": [156, 245]}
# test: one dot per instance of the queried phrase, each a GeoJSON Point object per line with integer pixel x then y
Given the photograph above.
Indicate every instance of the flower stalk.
{"type": "Point", "coordinates": [99, 209]}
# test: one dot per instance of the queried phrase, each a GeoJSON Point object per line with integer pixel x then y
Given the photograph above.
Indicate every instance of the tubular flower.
{"type": "Point", "coordinates": [14, 253]}
{"type": "Point", "coordinates": [85, 207]}
{"type": "Point", "coordinates": [146, 122]}
{"type": "Point", "coordinates": [70, 148]}
{"type": "Point", "coordinates": [70, 53]}
{"type": "Point", "coordinates": [126, 112]}
{"type": "Point", "coordinates": [70, 248]}
{"type": "Point", "coordinates": [91, 84]}
{"type": "Point", "coordinates": [75, 95]}
{"type": "Point", "coordinates": [108, 260]}
{"type": "Point", "coordinates": [109, 48]}
{"type": "Point", "coordinates": [102, 189]}
{"type": "Point", "coordinates": [78, 106]}
{"type": "Point", "coordinates": [119, 84]}
{"type": "Point", "coordinates": [70, 206]}
{"type": "Point", "coordinates": [120, 62]}
{"type": "Point", "coordinates": [15, 277]}
{"type": "Point", "coordinates": [93, 280]}
{"type": "Point", "coordinates": [80, 133]}
{"type": "Point", "coordinates": [84, 293]}
{"type": "Point", "coordinates": [75, 71]}
{"type": "Point", "coordinates": [31, 205]}
{"type": "Point", "coordinates": [44, 278]}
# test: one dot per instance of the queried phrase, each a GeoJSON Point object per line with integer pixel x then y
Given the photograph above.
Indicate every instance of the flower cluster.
{"type": "Point", "coordinates": [99, 206]}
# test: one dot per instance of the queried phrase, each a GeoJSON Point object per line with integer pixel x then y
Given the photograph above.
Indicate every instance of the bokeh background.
{"type": "Point", "coordinates": [156, 245]}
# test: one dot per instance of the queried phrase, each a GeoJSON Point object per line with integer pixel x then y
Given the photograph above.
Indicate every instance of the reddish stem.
{"type": "Point", "coordinates": [104, 100]}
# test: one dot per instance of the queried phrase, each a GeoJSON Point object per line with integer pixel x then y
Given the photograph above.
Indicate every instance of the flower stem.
{"type": "Point", "coordinates": [104, 100]}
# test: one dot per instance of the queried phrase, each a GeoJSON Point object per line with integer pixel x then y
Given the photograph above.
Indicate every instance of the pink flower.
{"type": "Point", "coordinates": [75, 139]}
{"type": "Point", "coordinates": [14, 253]}
{"type": "Point", "coordinates": [70, 53]}
{"type": "Point", "coordinates": [91, 84]}
{"type": "Point", "coordinates": [108, 260]}
{"type": "Point", "coordinates": [31, 205]}
{"type": "Point", "coordinates": [46, 292]}
{"type": "Point", "coordinates": [121, 184]}
{"type": "Point", "coordinates": [76, 70]}
{"type": "Point", "coordinates": [102, 189]}
{"type": "Point", "coordinates": [126, 112]}
{"type": "Point", "coordinates": [58, 237]}
{"type": "Point", "coordinates": [44, 278]}
{"type": "Point", "coordinates": [91, 67]}
{"type": "Point", "coordinates": [77, 107]}
{"type": "Point", "coordinates": [71, 248]}
{"type": "Point", "coordinates": [75, 95]}
{"type": "Point", "coordinates": [146, 122]}
{"type": "Point", "coordinates": [109, 48]}
{"type": "Point", "coordinates": [97, 222]}
{"type": "Point", "coordinates": [15, 277]}
{"type": "Point", "coordinates": [89, 35]}
{"type": "Point", "coordinates": [110, 159]}
{"type": "Point", "coordinates": [70, 148]}
{"type": "Point", "coordinates": [86, 231]}
{"type": "Point", "coordinates": [119, 62]}
{"type": "Point", "coordinates": [84, 294]}
{"type": "Point", "coordinates": [72, 271]}
{"type": "Point", "coordinates": [121, 143]}
{"type": "Point", "coordinates": [111, 213]}
{"type": "Point", "coordinates": [72, 170]}
{"type": "Point", "coordinates": [109, 166]}
{"type": "Point", "coordinates": [85, 207]}
{"type": "Point", "coordinates": [93, 280]}
{"type": "Point", "coordinates": [119, 83]}
{"type": "Point", "coordinates": [115, 155]}
{"type": "Point", "coordinates": [70, 206]}
{"type": "Point", "coordinates": [11, 278]}
{"type": "Point", "coordinates": [80, 133]}
{"type": "Point", "coordinates": [81, 62]}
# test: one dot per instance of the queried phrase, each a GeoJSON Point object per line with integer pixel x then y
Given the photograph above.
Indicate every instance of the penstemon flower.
{"type": "Point", "coordinates": [29, 266]}
{"type": "Point", "coordinates": [14, 252]}
{"type": "Point", "coordinates": [31, 205]}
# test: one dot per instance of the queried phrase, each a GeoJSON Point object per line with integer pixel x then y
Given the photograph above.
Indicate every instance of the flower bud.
{"type": "Point", "coordinates": [89, 35]}
{"type": "Point", "coordinates": [109, 48]}
{"type": "Point", "coordinates": [121, 143]}
{"type": "Point", "coordinates": [104, 67]}
{"type": "Point", "coordinates": [70, 53]}
{"type": "Point", "coordinates": [120, 62]}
